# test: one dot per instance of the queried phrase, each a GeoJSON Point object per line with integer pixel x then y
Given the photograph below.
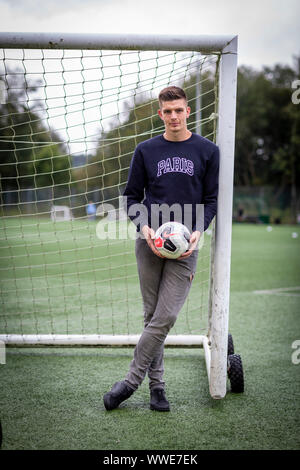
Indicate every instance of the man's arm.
{"type": "Point", "coordinates": [210, 198]}
{"type": "Point", "coordinates": [134, 191]}
{"type": "Point", "coordinates": [211, 188]}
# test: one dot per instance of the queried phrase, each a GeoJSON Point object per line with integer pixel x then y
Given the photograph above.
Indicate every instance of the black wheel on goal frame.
{"type": "Point", "coordinates": [235, 373]}
{"type": "Point", "coordinates": [230, 347]}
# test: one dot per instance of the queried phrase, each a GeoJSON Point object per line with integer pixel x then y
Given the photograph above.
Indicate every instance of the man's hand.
{"type": "Point", "coordinates": [149, 235]}
{"type": "Point", "coordinates": [195, 237]}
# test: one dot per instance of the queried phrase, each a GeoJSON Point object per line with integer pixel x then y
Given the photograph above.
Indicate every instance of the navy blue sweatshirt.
{"type": "Point", "coordinates": [167, 172]}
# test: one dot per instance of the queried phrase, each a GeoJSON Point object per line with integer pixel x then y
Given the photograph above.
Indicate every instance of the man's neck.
{"type": "Point", "coordinates": [178, 137]}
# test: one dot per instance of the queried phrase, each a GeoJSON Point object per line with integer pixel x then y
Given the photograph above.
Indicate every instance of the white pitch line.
{"type": "Point", "coordinates": [280, 291]}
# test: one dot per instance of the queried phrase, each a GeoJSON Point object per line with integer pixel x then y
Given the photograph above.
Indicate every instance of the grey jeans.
{"type": "Point", "coordinates": [164, 284]}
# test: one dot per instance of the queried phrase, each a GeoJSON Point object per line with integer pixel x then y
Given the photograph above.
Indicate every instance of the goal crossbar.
{"type": "Point", "coordinates": [201, 43]}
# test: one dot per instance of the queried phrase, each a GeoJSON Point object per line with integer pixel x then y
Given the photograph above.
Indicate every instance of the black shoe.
{"type": "Point", "coordinates": [119, 392]}
{"type": "Point", "coordinates": [158, 400]}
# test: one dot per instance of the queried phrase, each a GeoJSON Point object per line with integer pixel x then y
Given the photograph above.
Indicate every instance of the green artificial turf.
{"type": "Point", "coordinates": [52, 398]}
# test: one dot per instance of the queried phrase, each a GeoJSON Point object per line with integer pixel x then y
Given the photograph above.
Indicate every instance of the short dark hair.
{"type": "Point", "coordinates": [171, 93]}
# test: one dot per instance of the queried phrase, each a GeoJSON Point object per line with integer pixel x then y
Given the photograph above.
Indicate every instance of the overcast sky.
{"type": "Point", "coordinates": [268, 30]}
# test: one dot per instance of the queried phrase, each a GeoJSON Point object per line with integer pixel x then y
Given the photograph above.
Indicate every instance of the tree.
{"type": "Point", "coordinates": [267, 130]}
{"type": "Point", "coordinates": [29, 159]}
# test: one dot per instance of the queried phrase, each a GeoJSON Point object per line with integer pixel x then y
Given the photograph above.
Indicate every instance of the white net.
{"type": "Point", "coordinates": [69, 123]}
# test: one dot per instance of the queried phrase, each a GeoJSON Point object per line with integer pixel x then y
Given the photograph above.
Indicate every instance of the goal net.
{"type": "Point", "coordinates": [70, 119]}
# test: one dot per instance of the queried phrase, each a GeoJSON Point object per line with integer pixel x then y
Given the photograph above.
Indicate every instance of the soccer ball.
{"type": "Point", "coordinates": [172, 239]}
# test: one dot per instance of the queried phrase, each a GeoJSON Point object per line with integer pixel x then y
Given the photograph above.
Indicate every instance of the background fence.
{"type": "Point", "coordinates": [256, 204]}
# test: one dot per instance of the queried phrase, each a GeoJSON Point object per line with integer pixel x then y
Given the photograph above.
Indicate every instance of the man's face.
{"type": "Point", "coordinates": [174, 114]}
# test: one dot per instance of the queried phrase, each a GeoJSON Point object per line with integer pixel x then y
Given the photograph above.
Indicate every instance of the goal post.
{"type": "Point", "coordinates": [222, 251]}
{"type": "Point", "coordinates": [68, 128]}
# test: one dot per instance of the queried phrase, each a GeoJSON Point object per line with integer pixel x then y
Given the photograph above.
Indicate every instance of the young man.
{"type": "Point", "coordinates": [178, 167]}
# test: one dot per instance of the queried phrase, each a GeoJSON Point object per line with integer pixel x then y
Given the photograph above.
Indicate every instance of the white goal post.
{"type": "Point", "coordinates": [224, 49]}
